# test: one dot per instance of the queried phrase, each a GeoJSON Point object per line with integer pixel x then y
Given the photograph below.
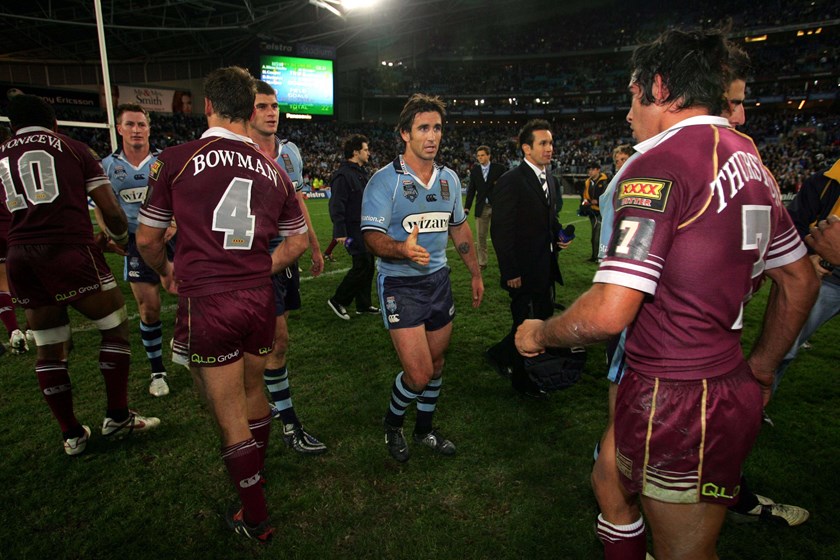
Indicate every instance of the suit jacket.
{"type": "Point", "coordinates": [524, 229]}
{"type": "Point", "coordinates": [347, 186]}
{"type": "Point", "coordinates": [480, 188]}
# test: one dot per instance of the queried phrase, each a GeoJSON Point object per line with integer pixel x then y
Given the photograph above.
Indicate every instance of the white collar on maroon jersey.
{"type": "Point", "coordinates": [225, 133]}
{"type": "Point", "coordinates": [653, 141]}
{"type": "Point", "coordinates": [28, 129]}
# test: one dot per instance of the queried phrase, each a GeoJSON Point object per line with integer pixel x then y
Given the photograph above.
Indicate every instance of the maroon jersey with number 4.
{"type": "Point", "coordinates": [228, 200]}
{"type": "Point", "coordinates": [698, 221]}
{"type": "Point", "coordinates": [46, 177]}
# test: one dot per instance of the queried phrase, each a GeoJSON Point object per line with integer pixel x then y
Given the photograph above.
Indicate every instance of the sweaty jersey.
{"type": "Point", "coordinates": [47, 177]}
{"type": "Point", "coordinates": [698, 221]}
{"type": "Point", "coordinates": [129, 183]}
{"type": "Point", "coordinates": [229, 199]}
{"type": "Point", "coordinates": [289, 160]}
{"type": "Point", "coordinates": [395, 199]}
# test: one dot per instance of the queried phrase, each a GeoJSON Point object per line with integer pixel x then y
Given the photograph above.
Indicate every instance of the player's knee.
{"type": "Point", "coordinates": [114, 324]}
{"type": "Point", "coordinates": [47, 337]}
{"type": "Point", "coordinates": [149, 312]}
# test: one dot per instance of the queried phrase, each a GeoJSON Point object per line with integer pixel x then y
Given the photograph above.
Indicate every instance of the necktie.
{"type": "Point", "coordinates": [485, 171]}
{"type": "Point", "coordinates": [544, 185]}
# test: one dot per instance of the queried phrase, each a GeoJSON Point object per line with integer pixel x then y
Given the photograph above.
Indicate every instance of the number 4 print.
{"type": "Point", "coordinates": [233, 217]}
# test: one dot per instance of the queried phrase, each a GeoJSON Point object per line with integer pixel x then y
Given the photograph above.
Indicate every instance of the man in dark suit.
{"type": "Point", "coordinates": [483, 178]}
{"type": "Point", "coordinates": [524, 232]}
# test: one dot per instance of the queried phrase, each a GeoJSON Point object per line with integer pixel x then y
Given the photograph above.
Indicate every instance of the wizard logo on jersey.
{"type": "Point", "coordinates": [409, 190]}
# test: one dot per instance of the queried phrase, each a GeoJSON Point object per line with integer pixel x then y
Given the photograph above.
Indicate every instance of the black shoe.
{"type": "Point", "coordinates": [435, 441]}
{"type": "Point", "coordinates": [370, 310]}
{"type": "Point", "coordinates": [338, 309]}
{"type": "Point", "coordinates": [395, 442]}
{"type": "Point", "coordinates": [532, 392]}
{"type": "Point", "coordinates": [262, 533]}
{"type": "Point", "coordinates": [503, 371]}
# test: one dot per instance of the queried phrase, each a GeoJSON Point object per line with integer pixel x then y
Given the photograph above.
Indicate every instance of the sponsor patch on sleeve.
{"type": "Point", "coordinates": [648, 194]}
{"type": "Point", "coordinates": [154, 169]}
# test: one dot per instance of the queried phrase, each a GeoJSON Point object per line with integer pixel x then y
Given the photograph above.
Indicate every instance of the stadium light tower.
{"type": "Point", "coordinates": [342, 8]}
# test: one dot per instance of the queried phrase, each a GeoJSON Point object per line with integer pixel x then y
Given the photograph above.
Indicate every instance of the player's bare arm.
{"type": "Point", "coordinates": [103, 239]}
{"type": "Point", "coordinates": [792, 295]}
{"type": "Point", "coordinates": [113, 220]}
{"type": "Point", "coordinates": [462, 238]}
{"type": "Point", "coordinates": [152, 246]}
{"type": "Point", "coordinates": [387, 247]}
{"type": "Point", "coordinates": [314, 247]}
{"type": "Point", "coordinates": [603, 311]}
{"type": "Point", "coordinates": [289, 251]}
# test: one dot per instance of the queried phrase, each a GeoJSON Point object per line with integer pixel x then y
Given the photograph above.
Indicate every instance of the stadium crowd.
{"type": "Point", "coordinates": [794, 144]}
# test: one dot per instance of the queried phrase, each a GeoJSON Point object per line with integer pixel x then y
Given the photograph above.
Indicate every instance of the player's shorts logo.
{"type": "Point", "coordinates": [714, 491]}
{"type": "Point", "coordinates": [391, 304]}
{"type": "Point", "coordinates": [650, 194]}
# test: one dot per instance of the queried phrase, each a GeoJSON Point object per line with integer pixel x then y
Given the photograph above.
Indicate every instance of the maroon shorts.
{"type": "Point", "coordinates": [216, 330]}
{"type": "Point", "coordinates": [42, 275]}
{"type": "Point", "coordinates": [4, 248]}
{"type": "Point", "coordinates": [686, 441]}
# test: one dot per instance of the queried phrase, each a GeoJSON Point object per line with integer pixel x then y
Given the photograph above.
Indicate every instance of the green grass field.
{"type": "Point", "coordinates": [518, 488]}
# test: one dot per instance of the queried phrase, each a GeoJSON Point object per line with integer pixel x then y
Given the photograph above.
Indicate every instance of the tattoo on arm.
{"type": "Point", "coordinates": [464, 248]}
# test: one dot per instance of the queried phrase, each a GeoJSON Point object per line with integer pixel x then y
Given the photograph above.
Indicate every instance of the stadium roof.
{"type": "Point", "coordinates": [173, 30]}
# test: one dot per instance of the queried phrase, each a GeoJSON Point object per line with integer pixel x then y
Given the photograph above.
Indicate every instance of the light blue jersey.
{"type": "Point", "coordinates": [290, 161]}
{"type": "Point", "coordinates": [605, 201]}
{"type": "Point", "coordinates": [395, 199]}
{"type": "Point", "coordinates": [130, 183]}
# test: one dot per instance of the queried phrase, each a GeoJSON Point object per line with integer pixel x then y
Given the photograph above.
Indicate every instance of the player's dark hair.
{"type": "Point", "coordinates": [693, 67]}
{"type": "Point", "coordinates": [131, 108]}
{"type": "Point", "coordinates": [231, 90]}
{"type": "Point", "coordinates": [353, 143]}
{"type": "Point", "coordinates": [30, 110]}
{"type": "Point", "coordinates": [419, 103]}
{"type": "Point", "coordinates": [485, 149]}
{"type": "Point", "coordinates": [739, 63]}
{"type": "Point", "coordinates": [526, 134]}
{"type": "Point", "coordinates": [264, 88]}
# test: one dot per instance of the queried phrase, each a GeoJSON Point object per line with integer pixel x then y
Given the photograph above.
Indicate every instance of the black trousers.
{"type": "Point", "coordinates": [524, 304]}
{"type": "Point", "coordinates": [356, 284]}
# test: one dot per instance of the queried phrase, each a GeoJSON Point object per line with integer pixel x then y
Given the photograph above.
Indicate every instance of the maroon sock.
{"type": "Point", "coordinates": [58, 392]}
{"type": "Point", "coordinates": [114, 361]}
{"type": "Point", "coordinates": [330, 248]}
{"type": "Point", "coordinates": [260, 429]}
{"type": "Point", "coordinates": [623, 542]}
{"type": "Point", "coordinates": [7, 312]}
{"type": "Point", "coordinates": [243, 465]}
